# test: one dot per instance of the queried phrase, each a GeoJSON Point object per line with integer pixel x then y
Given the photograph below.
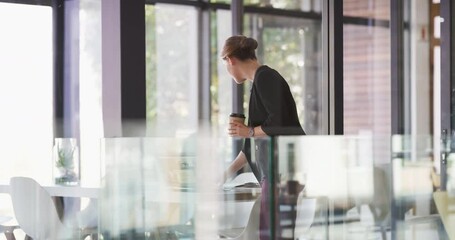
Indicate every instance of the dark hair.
{"type": "Point", "coordinates": [240, 47]}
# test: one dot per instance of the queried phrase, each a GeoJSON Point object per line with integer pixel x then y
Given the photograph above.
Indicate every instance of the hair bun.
{"type": "Point", "coordinates": [248, 44]}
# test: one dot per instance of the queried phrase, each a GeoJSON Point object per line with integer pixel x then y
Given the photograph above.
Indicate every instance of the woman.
{"type": "Point", "coordinates": [272, 111]}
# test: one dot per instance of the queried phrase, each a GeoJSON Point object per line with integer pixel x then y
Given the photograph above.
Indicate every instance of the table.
{"type": "Point", "coordinates": [446, 208]}
{"type": "Point", "coordinates": [62, 191]}
{"type": "Point", "coordinates": [241, 193]}
{"type": "Point", "coordinates": [5, 219]}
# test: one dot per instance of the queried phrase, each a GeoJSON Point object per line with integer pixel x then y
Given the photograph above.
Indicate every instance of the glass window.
{"type": "Point", "coordinates": [26, 91]}
{"type": "Point", "coordinates": [376, 9]}
{"type": "Point", "coordinates": [366, 80]}
{"type": "Point", "coordinates": [366, 66]}
{"type": "Point", "coordinates": [172, 75]}
{"type": "Point", "coordinates": [293, 47]}
{"type": "Point", "coordinates": [289, 45]}
{"type": "Point", "coordinates": [90, 79]}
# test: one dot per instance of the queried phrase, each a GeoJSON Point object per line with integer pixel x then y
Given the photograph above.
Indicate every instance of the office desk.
{"type": "Point", "coordinates": [446, 208]}
{"type": "Point", "coordinates": [62, 191]}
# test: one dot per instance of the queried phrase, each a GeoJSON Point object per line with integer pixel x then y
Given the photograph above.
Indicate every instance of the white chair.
{"type": "Point", "coordinates": [306, 208]}
{"type": "Point", "coordinates": [36, 213]}
{"type": "Point", "coordinates": [251, 230]}
{"type": "Point", "coordinates": [7, 230]}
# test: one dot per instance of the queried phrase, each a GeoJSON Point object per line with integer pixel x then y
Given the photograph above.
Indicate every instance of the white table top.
{"type": "Point", "coordinates": [5, 219]}
{"type": "Point", "coordinates": [446, 205]}
{"type": "Point", "coordinates": [63, 191]}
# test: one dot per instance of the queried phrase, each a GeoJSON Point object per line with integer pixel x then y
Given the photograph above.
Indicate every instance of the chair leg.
{"type": "Point", "coordinates": [10, 236]}
{"type": "Point", "coordinates": [27, 237]}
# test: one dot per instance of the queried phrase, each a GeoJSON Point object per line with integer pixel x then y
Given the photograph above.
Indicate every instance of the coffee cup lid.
{"type": "Point", "coordinates": [239, 115]}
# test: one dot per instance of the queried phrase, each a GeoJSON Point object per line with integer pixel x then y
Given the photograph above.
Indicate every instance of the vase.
{"type": "Point", "coordinates": [66, 161]}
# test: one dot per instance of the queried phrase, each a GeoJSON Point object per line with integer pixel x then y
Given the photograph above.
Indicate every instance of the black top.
{"type": "Point", "coordinates": [271, 104]}
{"type": "Point", "coordinates": [273, 108]}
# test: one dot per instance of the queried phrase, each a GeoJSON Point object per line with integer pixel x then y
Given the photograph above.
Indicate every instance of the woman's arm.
{"type": "Point", "coordinates": [236, 165]}
{"type": "Point", "coordinates": [240, 130]}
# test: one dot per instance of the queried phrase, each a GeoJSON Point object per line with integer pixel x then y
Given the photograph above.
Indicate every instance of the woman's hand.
{"type": "Point", "coordinates": [237, 129]}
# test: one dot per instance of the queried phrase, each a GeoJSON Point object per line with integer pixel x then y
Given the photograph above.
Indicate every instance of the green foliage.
{"type": "Point", "coordinates": [65, 158]}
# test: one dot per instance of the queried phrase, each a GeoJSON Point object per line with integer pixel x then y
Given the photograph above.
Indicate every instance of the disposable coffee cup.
{"type": "Point", "coordinates": [237, 117]}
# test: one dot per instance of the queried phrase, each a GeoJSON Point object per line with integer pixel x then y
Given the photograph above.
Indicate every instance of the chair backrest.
{"type": "Point", "coordinates": [35, 210]}
{"type": "Point", "coordinates": [306, 209]}
{"type": "Point", "coordinates": [251, 230]}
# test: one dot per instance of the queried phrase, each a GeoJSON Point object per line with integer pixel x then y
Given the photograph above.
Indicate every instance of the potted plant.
{"type": "Point", "coordinates": [66, 162]}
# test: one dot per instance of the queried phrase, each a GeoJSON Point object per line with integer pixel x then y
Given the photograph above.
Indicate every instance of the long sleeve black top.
{"type": "Point", "coordinates": [271, 104]}
{"type": "Point", "coordinates": [272, 107]}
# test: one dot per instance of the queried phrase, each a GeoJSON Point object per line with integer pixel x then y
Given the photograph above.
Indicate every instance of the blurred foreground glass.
{"type": "Point", "coordinates": [343, 187]}
{"type": "Point", "coordinates": [65, 155]}
{"type": "Point", "coordinates": [165, 188]}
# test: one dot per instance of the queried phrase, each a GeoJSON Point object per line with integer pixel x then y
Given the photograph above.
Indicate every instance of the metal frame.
{"type": "Point", "coordinates": [397, 83]}
{"type": "Point", "coordinates": [132, 48]}
{"type": "Point", "coordinates": [58, 45]}
{"type": "Point", "coordinates": [334, 62]}
{"type": "Point", "coordinates": [204, 43]}
{"type": "Point", "coordinates": [366, 21]}
{"type": "Point", "coordinates": [397, 91]}
{"type": "Point", "coordinates": [447, 78]}
{"type": "Point", "coordinates": [237, 11]}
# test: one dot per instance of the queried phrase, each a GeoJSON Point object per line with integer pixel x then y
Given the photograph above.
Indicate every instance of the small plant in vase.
{"type": "Point", "coordinates": [65, 164]}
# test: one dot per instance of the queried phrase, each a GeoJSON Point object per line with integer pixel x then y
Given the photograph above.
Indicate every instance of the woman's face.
{"type": "Point", "coordinates": [232, 67]}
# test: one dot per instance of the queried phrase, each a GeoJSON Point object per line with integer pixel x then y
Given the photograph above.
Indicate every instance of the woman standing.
{"type": "Point", "coordinates": [272, 111]}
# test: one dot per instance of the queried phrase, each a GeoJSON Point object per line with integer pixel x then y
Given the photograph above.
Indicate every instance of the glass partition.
{"type": "Point", "coordinates": [299, 187]}
{"type": "Point", "coordinates": [363, 193]}
{"type": "Point", "coordinates": [171, 188]}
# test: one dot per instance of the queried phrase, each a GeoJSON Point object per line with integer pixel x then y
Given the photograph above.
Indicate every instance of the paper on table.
{"type": "Point", "coordinates": [242, 180]}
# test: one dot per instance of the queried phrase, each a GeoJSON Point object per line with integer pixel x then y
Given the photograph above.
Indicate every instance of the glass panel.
{"type": "Point", "coordinates": [366, 66]}
{"type": "Point", "coordinates": [171, 77]}
{"type": "Point", "coordinates": [221, 85]}
{"type": "Point", "coordinates": [159, 188]}
{"type": "Point", "coordinates": [90, 80]}
{"type": "Point", "coordinates": [375, 9]}
{"type": "Point", "coordinates": [324, 187]}
{"type": "Point", "coordinates": [366, 80]}
{"type": "Point", "coordinates": [345, 189]}
{"type": "Point", "coordinates": [292, 47]}
{"type": "Point", "coordinates": [26, 96]}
